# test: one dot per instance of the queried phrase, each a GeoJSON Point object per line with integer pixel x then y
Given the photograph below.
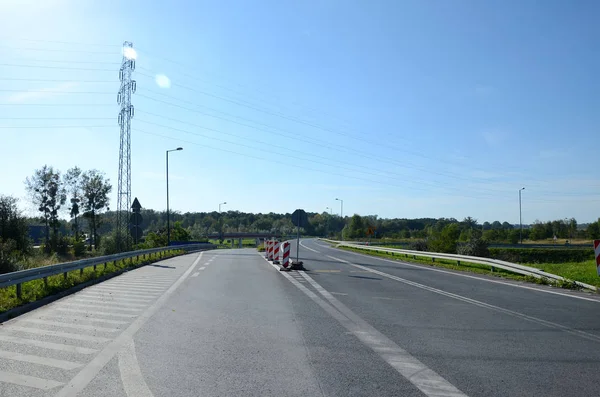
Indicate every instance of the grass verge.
{"type": "Point", "coordinates": [573, 273]}
{"type": "Point", "coordinates": [37, 289]}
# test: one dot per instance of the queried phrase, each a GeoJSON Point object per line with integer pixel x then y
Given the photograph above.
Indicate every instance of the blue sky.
{"type": "Point", "coordinates": [401, 108]}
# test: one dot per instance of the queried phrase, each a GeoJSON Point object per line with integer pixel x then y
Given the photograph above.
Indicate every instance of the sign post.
{"type": "Point", "coordinates": [299, 219]}
{"type": "Point", "coordinates": [135, 220]}
{"type": "Point", "coordinates": [597, 252]}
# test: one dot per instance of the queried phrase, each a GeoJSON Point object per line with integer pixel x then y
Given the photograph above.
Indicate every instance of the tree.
{"type": "Point", "coordinates": [593, 230]}
{"type": "Point", "coordinates": [469, 223]}
{"type": "Point", "coordinates": [356, 228]}
{"type": "Point", "coordinates": [74, 186]}
{"type": "Point", "coordinates": [445, 240]}
{"type": "Point", "coordinates": [13, 225]}
{"type": "Point", "coordinates": [48, 194]}
{"type": "Point", "coordinates": [94, 200]}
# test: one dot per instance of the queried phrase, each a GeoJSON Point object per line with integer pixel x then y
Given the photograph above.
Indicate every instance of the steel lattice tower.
{"type": "Point", "coordinates": [125, 115]}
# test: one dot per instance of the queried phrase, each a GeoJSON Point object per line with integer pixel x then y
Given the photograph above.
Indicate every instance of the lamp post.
{"type": "Point", "coordinates": [168, 215]}
{"type": "Point", "coordinates": [342, 215]}
{"type": "Point", "coordinates": [221, 221]}
{"type": "Point", "coordinates": [520, 217]}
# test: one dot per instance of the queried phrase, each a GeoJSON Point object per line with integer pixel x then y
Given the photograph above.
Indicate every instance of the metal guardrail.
{"type": "Point", "coordinates": [493, 263]}
{"type": "Point", "coordinates": [22, 276]}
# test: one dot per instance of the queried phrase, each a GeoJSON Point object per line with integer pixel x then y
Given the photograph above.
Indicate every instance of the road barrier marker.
{"type": "Point", "coordinates": [285, 255]}
{"type": "Point", "coordinates": [276, 245]}
{"type": "Point", "coordinates": [597, 252]}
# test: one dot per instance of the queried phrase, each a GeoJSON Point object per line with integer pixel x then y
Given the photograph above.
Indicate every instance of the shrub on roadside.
{"type": "Point", "coordinates": [542, 255]}
{"type": "Point", "coordinates": [474, 247]}
{"type": "Point", "coordinates": [419, 245]}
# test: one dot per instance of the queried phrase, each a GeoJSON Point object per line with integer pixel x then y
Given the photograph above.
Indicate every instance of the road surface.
{"type": "Point", "coordinates": [227, 323]}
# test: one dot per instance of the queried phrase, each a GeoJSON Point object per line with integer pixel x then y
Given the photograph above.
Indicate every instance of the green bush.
{"type": "Point", "coordinates": [542, 255]}
{"type": "Point", "coordinates": [475, 247]}
{"type": "Point", "coordinates": [419, 245]}
{"type": "Point", "coordinates": [79, 248]}
{"type": "Point", "coordinates": [8, 257]}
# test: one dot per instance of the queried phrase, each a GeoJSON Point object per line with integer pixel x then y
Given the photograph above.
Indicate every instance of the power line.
{"type": "Point", "coordinates": [58, 91]}
{"type": "Point", "coordinates": [65, 61]}
{"type": "Point", "coordinates": [57, 42]}
{"type": "Point", "coordinates": [56, 118]}
{"type": "Point", "coordinates": [57, 104]}
{"type": "Point", "coordinates": [337, 147]}
{"type": "Point", "coordinates": [58, 50]}
{"type": "Point", "coordinates": [56, 80]}
{"type": "Point", "coordinates": [56, 126]}
{"type": "Point", "coordinates": [54, 67]}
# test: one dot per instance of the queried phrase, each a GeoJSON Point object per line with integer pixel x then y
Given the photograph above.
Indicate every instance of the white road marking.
{"type": "Point", "coordinates": [308, 248]}
{"type": "Point", "coordinates": [152, 290]}
{"type": "Point", "coordinates": [143, 282]}
{"type": "Point", "coordinates": [68, 335]}
{"type": "Point", "coordinates": [424, 378]}
{"type": "Point", "coordinates": [125, 294]}
{"type": "Point", "coordinates": [131, 375]}
{"type": "Point", "coordinates": [49, 362]}
{"type": "Point", "coordinates": [105, 306]}
{"type": "Point", "coordinates": [196, 274]}
{"type": "Point", "coordinates": [202, 268]}
{"type": "Point", "coordinates": [31, 381]}
{"type": "Point", "coordinates": [548, 324]}
{"type": "Point", "coordinates": [339, 293]}
{"type": "Point", "coordinates": [95, 313]}
{"type": "Point", "coordinates": [113, 303]}
{"type": "Point", "coordinates": [97, 297]}
{"type": "Point", "coordinates": [84, 319]}
{"type": "Point", "coordinates": [91, 370]}
{"type": "Point", "coordinates": [433, 269]}
{"type": "Point", "coordinates": [46, 345]}
{"type": "Point", "coordinates": [69, 325]}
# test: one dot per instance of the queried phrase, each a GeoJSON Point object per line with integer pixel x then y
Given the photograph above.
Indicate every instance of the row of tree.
{"type": "Point", "coordinates": [86, 194]}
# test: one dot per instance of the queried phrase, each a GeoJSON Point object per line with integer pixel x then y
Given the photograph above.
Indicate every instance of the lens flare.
{"type": "Point", "coordinates": [129, 53]}
{"type": "Point", "coordinates": [162, 81]}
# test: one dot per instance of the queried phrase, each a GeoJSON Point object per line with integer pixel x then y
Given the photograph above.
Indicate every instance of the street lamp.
{"type": "Point", "coordinates": [330, 210]}
{"type": "Point", "coordinates": [520, 217]}
{"type": "Point", "coordinates": [221, 221]}
{"type": "Point", "coordinates": [168, 216]}
{"type": "Point", "coordinates": [342, 215]}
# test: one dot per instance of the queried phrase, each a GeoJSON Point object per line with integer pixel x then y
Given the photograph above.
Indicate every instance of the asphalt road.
{"type": "Point", "coordinates": [227, 323]}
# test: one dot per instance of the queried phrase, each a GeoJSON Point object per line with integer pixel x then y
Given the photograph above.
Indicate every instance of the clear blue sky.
{"type": "Point", "coordinates": [402, 108]}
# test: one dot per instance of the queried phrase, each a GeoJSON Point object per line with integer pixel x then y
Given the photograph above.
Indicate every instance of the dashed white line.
{"type": "Point", "coordinates": [202, 268]}
{"type": "Point", "coordinates": [196, 274]}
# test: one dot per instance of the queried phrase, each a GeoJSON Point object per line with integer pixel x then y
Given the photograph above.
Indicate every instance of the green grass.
{"type": "Point", "coordinates": [579, 271]}
{"type": "Point", "coordinates": [36, 289]}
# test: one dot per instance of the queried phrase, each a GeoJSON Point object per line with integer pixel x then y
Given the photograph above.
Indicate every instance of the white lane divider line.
{"type": "Point", "coordinates": [131, 374]}
{"type": "Point", "coordinates": [113, 307]}
{"type": "Point", "coordinates": [76, 385]}
{"type": "Point", "coordinates": [308, 248]}
{"type": "Point", "coordinates": [424, 378]}
{"type": "Point", "coordinates": [202, 268]}
{"type": "Point", "coordinates": [475, 302]}
{"type": "Point", "coordinates": [31, 381]}
{"type": "Point", "coordinates": [69, 325]}
{"type": "Point", "coordinates": [339, 293]}
{"type": "Point", "coordinates": [47, 345]}
{"type": "Point", "coordinates": [196, 274]}
{"type": "Point", "coordinates": [68, 335]}
{"type": "Point", "coordinates": [49, 362]}
{"type": "Point", "coordinates": [461, 274]}
{"type": "Point", "coordinates": [101, 298]}
{"type": "Point", "coordinates": [152, 290]}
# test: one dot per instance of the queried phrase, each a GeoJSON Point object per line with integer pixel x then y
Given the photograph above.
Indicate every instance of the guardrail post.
{"type": "Point", "coordinates": [65, 275]}
{"type": "Point", "coordinates": [46, 282]}
{"type": "Point", "coordinates": [115, 263]}
{"type": "Point", "coordinates": [19, 291]}
{"type": "Point", "coordinates": [433, 259]}
{"type": "Point", "coordinates": [493, 269]}
{"type": "Point", "coordinates": [458, 262]}
{"type": "Point", "coordinates": [94, 268]}
{"type": "Point", "coordinates": [414, 257]}
{"type": "Point", "coordinates": [81, 272]}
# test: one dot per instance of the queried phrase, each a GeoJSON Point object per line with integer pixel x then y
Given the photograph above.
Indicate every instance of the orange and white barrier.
{"type": "Point", "coordinates": [285, 255]}
{"type": "Point", "coordinates": [267, 248]}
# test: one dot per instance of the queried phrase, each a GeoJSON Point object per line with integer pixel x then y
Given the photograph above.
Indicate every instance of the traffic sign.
{"type": "Point", "coordinates": [135, 219]}
{"type": "Point", "coordinates": [136, 233]}
{"type": "Point", "coordinates": [299, 218]}
{"type": "Point", "coordinates": [136, 206]}
{"type": "Point", "coordinates": [370, 231]}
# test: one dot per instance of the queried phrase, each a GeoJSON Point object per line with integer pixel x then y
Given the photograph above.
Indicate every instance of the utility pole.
{"type": "Point", "coordinates": [520, 218]}
{"type": "Point", "coordinates": [127, 88]}
{"type": "Point", "coordinates": [168, 214]}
